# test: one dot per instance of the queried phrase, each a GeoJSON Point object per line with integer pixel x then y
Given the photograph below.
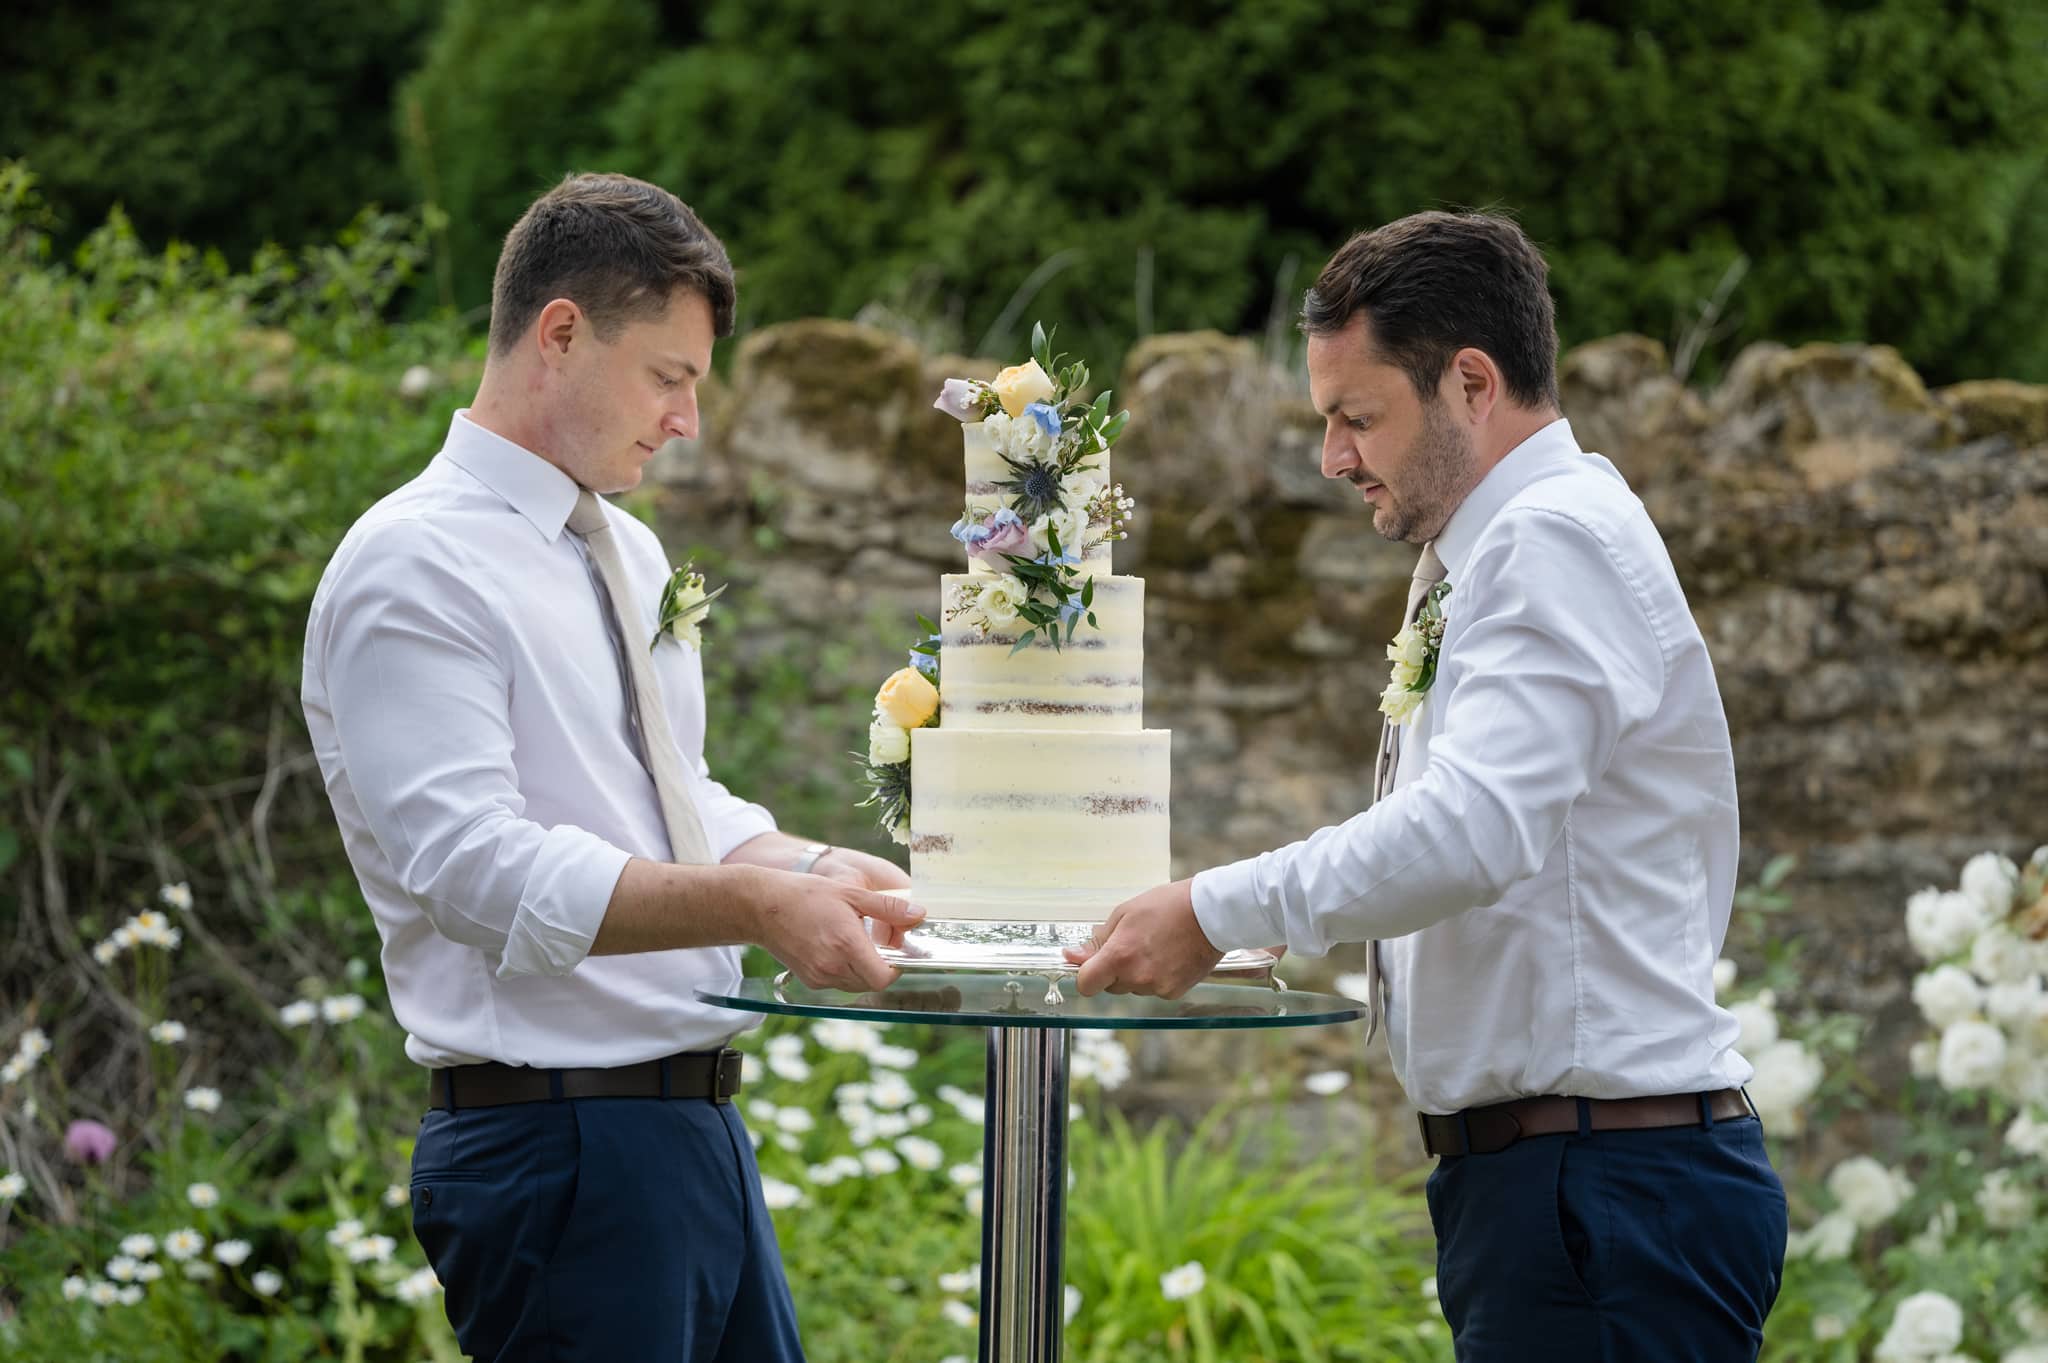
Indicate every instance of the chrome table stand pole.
{"type": "Point", "coordinates": [1024, 1196]}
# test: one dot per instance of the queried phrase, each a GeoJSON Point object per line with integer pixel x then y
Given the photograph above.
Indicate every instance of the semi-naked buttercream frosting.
{"type": "Point", "coordinates": [1040, 795]}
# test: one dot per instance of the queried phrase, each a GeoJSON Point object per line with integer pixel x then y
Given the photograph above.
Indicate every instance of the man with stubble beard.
{"type": "Point", "coordinates": [1546, 872]}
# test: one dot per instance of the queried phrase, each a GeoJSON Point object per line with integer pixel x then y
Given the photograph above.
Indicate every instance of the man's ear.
{"type": "Point", "coordinates": [1475, 384]}
{"type": "Point", "coordinates": [560, 324]}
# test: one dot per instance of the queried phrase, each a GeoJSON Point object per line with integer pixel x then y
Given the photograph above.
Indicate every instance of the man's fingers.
{"type": "Point", "coordinates": [1098, 974]}
{"type": "Point", "coordinates": [892, 909]}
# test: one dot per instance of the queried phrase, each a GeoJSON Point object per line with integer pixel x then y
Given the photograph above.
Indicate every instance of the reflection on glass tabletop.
{"type": "Point", "coordinates": [983, 1000]}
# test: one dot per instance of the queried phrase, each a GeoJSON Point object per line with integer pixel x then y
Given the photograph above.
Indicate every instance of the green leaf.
{"type": "Point", "coordinates": [1023, 642]}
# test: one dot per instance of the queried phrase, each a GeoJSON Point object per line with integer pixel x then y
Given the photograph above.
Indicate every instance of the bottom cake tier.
{"type": "Point", "coordinates": [1037, 825]}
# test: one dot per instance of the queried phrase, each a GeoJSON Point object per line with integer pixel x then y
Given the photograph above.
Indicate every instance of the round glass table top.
{"type": "Point", "coordinates": [984, 1000]}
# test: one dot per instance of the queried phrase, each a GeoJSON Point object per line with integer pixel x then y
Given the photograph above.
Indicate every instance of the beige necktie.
{"type": "Point", "coordinates": [1429, 570]}
{"type": "Point", "coordinates": [687, 843]}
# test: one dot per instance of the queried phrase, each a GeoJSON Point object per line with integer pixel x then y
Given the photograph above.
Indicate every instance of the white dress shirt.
{"type": "Point", "coordinates": [1554, 868]}
{"type": "Point", "coordinates": [470, 713]}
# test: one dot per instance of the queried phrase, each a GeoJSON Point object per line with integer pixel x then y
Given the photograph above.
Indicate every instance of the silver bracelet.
{"type": "Point", "coordinates": [809, 856]}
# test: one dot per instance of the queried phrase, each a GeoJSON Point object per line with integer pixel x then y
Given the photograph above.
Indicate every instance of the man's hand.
{"type": "Point", "coordinates": [1152, 944]}
{"type": "Point", "coordinates": [817, 925]}
{"type": "Point", "coordinates": [866, 872]}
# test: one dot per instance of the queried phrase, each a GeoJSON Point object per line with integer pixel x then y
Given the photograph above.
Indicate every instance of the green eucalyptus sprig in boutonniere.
{"type": "Point", "coordinates": [685, 605]}
{"type": "Point", "coordinates": [1413, 654]}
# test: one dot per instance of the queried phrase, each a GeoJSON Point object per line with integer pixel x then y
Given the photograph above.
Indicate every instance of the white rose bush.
{"type": "Point", "coordinates": [1935, 1251]}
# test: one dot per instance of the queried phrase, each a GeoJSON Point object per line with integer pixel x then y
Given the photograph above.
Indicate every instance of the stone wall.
{"type": "Point", "coordinates": [1868, 561]}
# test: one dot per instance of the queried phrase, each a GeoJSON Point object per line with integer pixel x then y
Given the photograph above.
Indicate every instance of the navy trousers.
{"type": "Point", "coordinates": [609, 1229]}
{"type": "Point", "coordinates": [1660, 1246]}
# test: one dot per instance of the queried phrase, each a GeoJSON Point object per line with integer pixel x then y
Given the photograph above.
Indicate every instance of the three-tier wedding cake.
{"type": "Point", "coordinates": [1012, 755]}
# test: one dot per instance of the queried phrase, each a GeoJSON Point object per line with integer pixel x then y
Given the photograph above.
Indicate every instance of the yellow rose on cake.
{"type": "Point", "coordinates": [1021, 385]}
{"type": "Point", "coordinates": [908, 699]}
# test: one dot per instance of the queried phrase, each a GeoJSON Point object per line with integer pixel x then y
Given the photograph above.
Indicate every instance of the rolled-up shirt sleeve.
{"type": "Point", "coordinates": [1536, 699]}
{"type": "Point", "coordinates": [418, 690]}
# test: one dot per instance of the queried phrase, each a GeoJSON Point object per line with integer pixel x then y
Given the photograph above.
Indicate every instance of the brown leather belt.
{"type": "Point", "coordinates": [688, 1074]}
{"type": "Point", "coordinates": [1484, 1130]}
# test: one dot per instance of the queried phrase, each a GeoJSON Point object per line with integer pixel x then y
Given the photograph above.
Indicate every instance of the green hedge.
{"type": "Point", "coordinates": [1851, 170]}
{"type": "Point", "coordinates": [1878, 169]}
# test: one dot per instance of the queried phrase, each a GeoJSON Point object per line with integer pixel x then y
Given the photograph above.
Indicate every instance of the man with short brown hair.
{"type": "Point", "coordinates": [1547, 870]}
{"type": "Point", "coordinates": [512, 739]}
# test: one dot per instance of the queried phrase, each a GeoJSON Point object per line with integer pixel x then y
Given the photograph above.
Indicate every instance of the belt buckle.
{"type": "Point", "coordinates": [725, 1078]}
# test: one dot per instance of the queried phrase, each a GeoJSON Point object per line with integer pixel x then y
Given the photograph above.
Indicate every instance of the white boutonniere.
{"type": "Point", "coordinates": [1413, 654]}
{"type": "Point", "coordinates": [685, 605]}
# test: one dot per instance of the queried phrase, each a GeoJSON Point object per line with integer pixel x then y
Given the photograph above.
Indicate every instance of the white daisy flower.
{"type": "Point", "coordinates": [267, 1282]}
{"type": "Point", "coordinates": [921, 1153]}
{"type": "Point", "coordinates": [203, 1099]}
{"type": "Point", "coordinates": [1178, 1284]}
{"type": "Point", "coordinates": [346, 1008]}
{"type": "Point", "coordinates": [231, 1252]}
{"type": "Point", "coordinates": [415, 1288]}
{"type": "Point", "coordinates": [298, 1014]}
{"type": "Point", "coordinates": [12, 1185]}
{"type": "Point", "coordinates": [138, 1246]}
{"type": "Point", "coordinates": [167, 1033]}
{"type": "Point", "coordinates": [183, 1244]}
{"type": "Point", "coordinates": [201, 1195]}
{"type": "Point", "coordinates": [371, 1249]}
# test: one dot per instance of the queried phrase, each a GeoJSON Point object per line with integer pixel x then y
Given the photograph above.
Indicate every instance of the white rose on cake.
{"type": "Point", "coordinates": [1069, 523]}
{"type": "Point", "coordinates": [887, 743]}
{"type": "Point", "coordinates": [1078, 490]}
{"type": "Point", "coordinates": [1001, 599]}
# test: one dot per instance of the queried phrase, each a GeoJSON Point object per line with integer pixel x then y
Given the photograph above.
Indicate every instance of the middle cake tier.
{"type": "Point", "coordinates": [1095, 682]}
{"type": "Point", "coordinates": [1021, 825]}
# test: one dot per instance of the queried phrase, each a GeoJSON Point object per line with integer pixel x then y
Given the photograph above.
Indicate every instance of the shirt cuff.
{"type": "Point", "coordinates": [741, 825]}
{"type": "Point", "coordinates": [1227, 907]}
{"type": "Point", "coordinates": [563, 904]}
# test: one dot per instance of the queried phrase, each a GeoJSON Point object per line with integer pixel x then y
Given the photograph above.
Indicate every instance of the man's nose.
{"type": "Point", "coordinates": [1339, 459]}
{"type": "Point", "coordinates": [681, 421]}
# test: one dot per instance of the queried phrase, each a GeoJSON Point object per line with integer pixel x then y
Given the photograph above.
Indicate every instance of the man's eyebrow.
{"type": "Point", "coordinates": [674, 363]}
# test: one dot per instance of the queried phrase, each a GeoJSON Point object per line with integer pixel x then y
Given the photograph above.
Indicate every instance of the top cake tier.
{"type": "Point", "coordinates": [986, 472]}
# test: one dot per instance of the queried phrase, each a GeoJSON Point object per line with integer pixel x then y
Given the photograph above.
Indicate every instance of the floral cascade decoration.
{"type": "Point", "coordinates": [1052, 510]}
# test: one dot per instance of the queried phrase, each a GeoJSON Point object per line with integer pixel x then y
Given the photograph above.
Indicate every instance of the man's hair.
{"type": "Point", "coordinates": [1432, 284]}
{"type": "Point", "coordinates": [617, 247]}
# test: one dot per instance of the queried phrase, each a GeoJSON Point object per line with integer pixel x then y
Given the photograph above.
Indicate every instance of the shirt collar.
{"type": "Point", "coordinates": [535, 488]}
{"type": "Point", "coordinates": [1537, 456]}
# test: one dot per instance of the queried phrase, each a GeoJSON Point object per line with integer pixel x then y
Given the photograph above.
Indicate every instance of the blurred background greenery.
{"type": "Point", "coordinates": [1853, 170]}
{"type": "Point", "coordinates": [228, 233]}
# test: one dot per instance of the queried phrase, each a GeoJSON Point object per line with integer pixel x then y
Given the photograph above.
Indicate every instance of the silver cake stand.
{"type": "Point", "coordinates": [976, 946]}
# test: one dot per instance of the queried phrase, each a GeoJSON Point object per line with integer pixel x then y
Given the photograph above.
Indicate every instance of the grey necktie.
{"type": "Point", "coordinates": [1429, 570]}
{"type": "Point", "coordinates": [687, 843]}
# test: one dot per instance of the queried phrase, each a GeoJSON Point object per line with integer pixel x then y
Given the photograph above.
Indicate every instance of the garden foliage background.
{"type": "Point", "coordinates": [245, 249]}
